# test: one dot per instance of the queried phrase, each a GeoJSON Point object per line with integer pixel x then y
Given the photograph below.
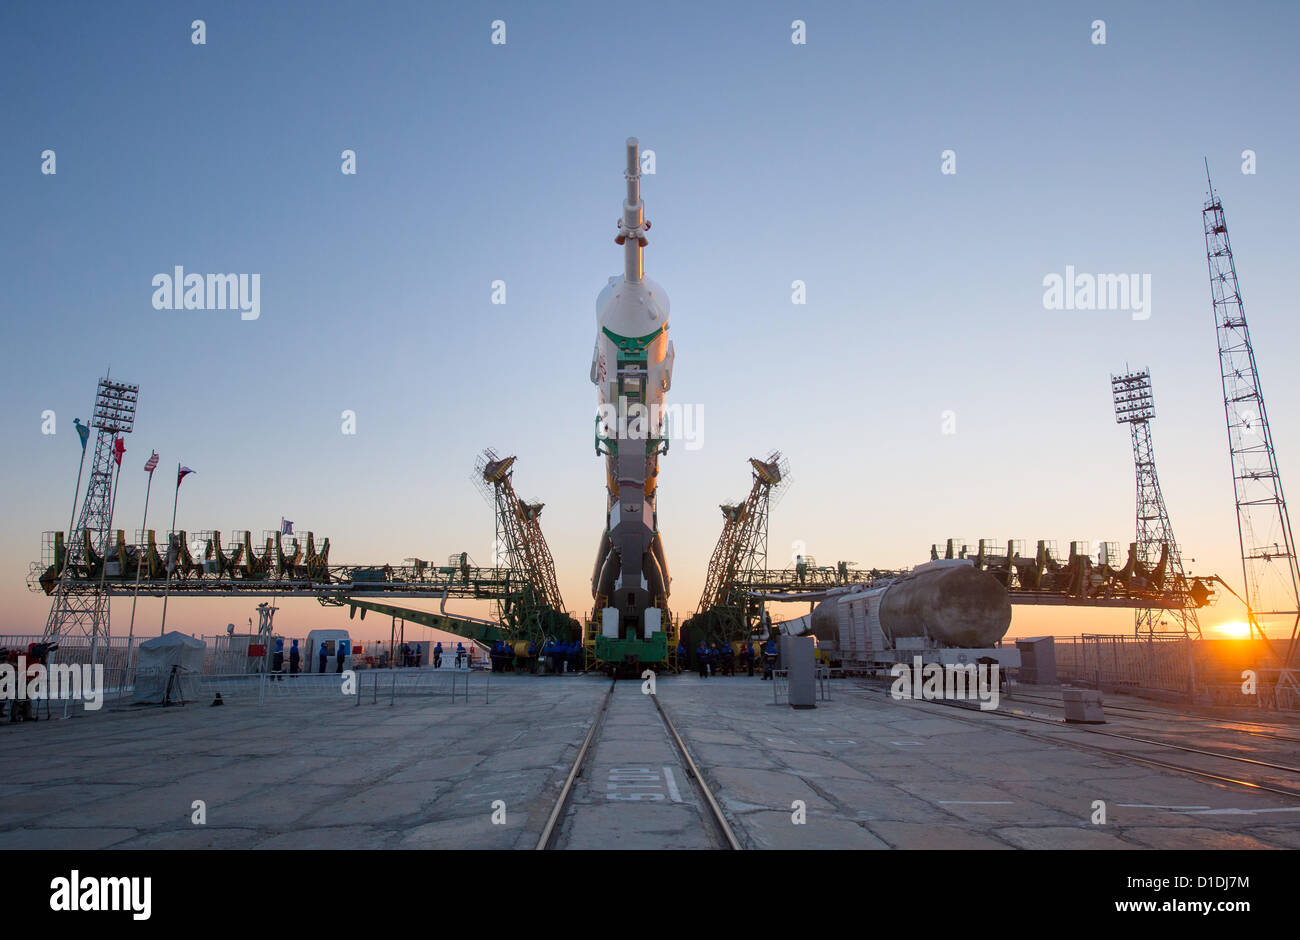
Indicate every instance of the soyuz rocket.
{"type": "Point", "coordinates": [632, 369]}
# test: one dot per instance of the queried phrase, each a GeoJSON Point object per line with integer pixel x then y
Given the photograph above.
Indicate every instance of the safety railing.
{"type": "Point", "coordinates": [781, 684]}
{"type": "Point", "coordinates": [451, 685]}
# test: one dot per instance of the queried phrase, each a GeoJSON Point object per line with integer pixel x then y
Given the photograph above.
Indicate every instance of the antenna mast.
{"type": "Point", "coordinates": [1268, 552]}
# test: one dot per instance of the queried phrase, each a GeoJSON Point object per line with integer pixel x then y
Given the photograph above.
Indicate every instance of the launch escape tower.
{"type": "Point", "coordinates": [1268, 551]}
{"type": "Point", "coordinates": [80, 611]}
{"type": "Point", "coordinates": [1157, 553]}
{"type": "Point", "coordinates": [725, 611]}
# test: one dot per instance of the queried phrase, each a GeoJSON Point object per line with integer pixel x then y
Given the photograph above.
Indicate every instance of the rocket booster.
{"type": "Point", "coordinates": [631, 367]}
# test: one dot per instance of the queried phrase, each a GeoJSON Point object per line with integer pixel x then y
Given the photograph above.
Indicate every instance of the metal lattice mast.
{"type": "Point", "coordinates": [741, 550]}
{"type": "Point", "coordinates": [769, 477]}
{"type": "Point", "coordinates": [86, 612]}
{"type": "Point", "coordinates": [1268, 551]}
{"type": "Point", "coordinates": [721, 561]}
{"type": "Point", "coordinates": [519, 531]}
{"type": "Point", "coordinates": [1157, 550]}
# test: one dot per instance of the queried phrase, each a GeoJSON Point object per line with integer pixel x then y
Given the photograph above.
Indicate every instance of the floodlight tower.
{"type": "Point", "coordinates": [88, 542]}
{"type": "Point", "coordinates": [1135, 407]}
{"type": "Point", "coordinates": [1268, 549]}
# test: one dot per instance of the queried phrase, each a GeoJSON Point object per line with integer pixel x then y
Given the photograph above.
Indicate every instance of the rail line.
{"type": "Point", "coordinates": [711, 813]}
{"type": "Point", "coordinates": [1123, 755]}
{"type": "Point", "coordinates": [1138, 713]}
{"type": "Point", "coordinates": [547, 838]}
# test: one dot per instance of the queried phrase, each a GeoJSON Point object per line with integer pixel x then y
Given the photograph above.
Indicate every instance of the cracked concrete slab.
{"type": "Point", "coordinates": [424, 773]}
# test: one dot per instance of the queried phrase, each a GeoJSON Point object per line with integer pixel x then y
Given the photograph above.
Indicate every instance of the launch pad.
{"type": "Point", "coordinates": [861, 771]}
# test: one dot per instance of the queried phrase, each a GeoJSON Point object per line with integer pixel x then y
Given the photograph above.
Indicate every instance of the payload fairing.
{"type": "Point", "coordinates": [632, 369]}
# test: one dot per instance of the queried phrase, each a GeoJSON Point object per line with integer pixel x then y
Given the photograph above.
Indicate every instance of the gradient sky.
{"type": "Point", "coordinates": [775, 162]}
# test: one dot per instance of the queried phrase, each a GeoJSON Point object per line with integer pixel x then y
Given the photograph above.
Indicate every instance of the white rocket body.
{"type": "Point", "coordinates": [631, 367]}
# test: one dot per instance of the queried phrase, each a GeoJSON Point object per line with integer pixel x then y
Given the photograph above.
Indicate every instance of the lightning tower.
{"type": "Point", "coordinates": [1268, 553]}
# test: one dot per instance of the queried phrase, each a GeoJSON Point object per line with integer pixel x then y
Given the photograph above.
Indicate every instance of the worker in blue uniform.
{"type": "Point", "coordinates": [702, 660]}
{"type": "Point", "coordinates": [769, 660]}
{"type": "Point", "coordinates": [747, 657]}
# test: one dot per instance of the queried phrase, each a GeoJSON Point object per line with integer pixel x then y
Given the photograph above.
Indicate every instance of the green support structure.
{"type": "Point", "coordinates": [469, 629]}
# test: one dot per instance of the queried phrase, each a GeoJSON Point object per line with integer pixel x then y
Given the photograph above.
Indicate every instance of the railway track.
{"type": "Point", "coordinates": [1282, 771]}
{"type": "Point", "coordinates": [640, 756]}
{"type": "Point", "coordinates": [1138, 713]}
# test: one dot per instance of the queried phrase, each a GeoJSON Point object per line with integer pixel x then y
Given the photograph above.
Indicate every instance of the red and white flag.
{"type": "Point", "coordinates": [180, 475]}
{"type": "Point", "coordinates": [152, 462]}
{"type": "Point", "coordinates": [119, 448]}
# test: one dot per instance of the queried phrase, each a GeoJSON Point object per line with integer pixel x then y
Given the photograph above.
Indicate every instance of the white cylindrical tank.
{"type": "Point", "coordinates": [953, 605]}
{"type": "Point", "coordinates": [950, 604]}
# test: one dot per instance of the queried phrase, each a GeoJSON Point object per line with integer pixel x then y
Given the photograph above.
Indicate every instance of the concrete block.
{"type": "Point", "coordinates": [1083, 706]}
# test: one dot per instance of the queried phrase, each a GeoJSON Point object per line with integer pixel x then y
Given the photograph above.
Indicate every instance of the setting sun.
{"type": "Point", "coordinates": [1235, 628]}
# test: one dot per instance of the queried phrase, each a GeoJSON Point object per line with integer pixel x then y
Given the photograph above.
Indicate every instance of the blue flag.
{"type": "Point", "coordinates": [83, 431]}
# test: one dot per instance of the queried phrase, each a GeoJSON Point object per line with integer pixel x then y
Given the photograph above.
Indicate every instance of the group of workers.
{"type": "Point", "coordinates": [277, 660]}
{"type": "Point", "coordinates": [461, 659]}
{"type": "Point", "coordinates": [559, 655]}
{"type": "Point", "coordinates": [409, 654]}
{"type": "Point", "coordinates": [324, 659]}
{"type": "Point", "coordinates": [563, 657]}
{"type": "Point", "coordinates": [712, 660]}
{"type": "Point", "coordinates": [503, 656]}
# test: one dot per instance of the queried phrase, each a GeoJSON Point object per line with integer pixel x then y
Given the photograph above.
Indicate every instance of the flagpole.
{"type": "Point", "coordinates": [103, 562]}
{"type": "Point", "coordinates": [140, 559]}
{"type": "Point", "coordinates": [72, 520]}
{"type": "Point", "coordinates": [167, 590]}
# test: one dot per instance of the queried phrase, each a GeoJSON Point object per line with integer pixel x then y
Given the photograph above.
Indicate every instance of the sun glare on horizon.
{"type": "Point", "coordinates": [1235, 628]}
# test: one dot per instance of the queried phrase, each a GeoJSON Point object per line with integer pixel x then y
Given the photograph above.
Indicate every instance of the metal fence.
{"type": "Point", "coordinates": [225, 672]}
{"type": "Point", "coordinates": [116, 654]}
{"type": "Point", "coordinates": [452, 685]}
{"type": "Point", "coordinates": [1121, 662]}
{"type": "Point", "coordinates": [1173, 665]}
{"type": "Point", "coordinates": [781, 684]}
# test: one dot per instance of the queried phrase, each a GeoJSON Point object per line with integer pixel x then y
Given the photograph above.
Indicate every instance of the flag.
{"type": "Point", "coordinates": [180, 475]}
{"type": "Point", "coordinates": [119, 448]}
{"type": "Point", "coordinates": [151, 463]}
{"type": "Point", "coordinates": [286, 526]}
{"type": "Point", "coordinates": [83, 432]}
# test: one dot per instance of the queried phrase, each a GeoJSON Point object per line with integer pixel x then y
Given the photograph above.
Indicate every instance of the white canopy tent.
{"type": "Point", "coordinates": [171, 659]}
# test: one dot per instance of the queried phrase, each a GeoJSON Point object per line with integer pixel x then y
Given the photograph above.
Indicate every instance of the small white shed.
{"type": "Point", "coordinates": [327, 640]}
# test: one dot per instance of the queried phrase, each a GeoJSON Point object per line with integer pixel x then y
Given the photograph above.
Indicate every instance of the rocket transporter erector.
{"type": "Point", "coordinates": [632, 369]}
